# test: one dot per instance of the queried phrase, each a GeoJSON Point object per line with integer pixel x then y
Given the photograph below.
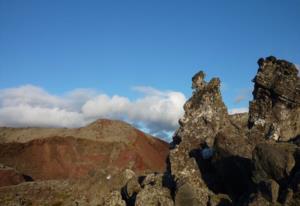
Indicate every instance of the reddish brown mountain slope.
{"type": "Point", "coordinates": [45, 154]}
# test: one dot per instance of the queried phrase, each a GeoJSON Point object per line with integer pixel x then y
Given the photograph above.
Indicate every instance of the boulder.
{"type": "Point", "coordinates": [154, 191]}
{"type": "Point", "coordinates": [269, 189]}
{"type": "Point", "coordinates": [258, 200]}
{"type": "Point", "coordinates": [114, 199]}
{"type": "Point", "coordinates": [153, 196]}
{"type": "Point", "coordinates": [132, 188]}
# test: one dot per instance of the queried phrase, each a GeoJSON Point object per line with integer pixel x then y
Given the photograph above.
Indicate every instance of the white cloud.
{"type": "Point", "coordinates": [105, 106]}
{"type": "Point", "coordinates": [30, 116]}
{"type": "Point", "coordinates": [156, 111]}
{"type": "Point", "coordinates": [31, 95]}
{"type": "Point", "coordinates": [238, 110]}
{"type": "Point", "coordinates": [164, 108]}
{"type": "Point", "coordinates": [76, 98]}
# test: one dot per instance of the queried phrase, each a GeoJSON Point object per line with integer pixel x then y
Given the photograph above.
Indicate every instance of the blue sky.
{"type": "Point", "coordinates": [111, 47]}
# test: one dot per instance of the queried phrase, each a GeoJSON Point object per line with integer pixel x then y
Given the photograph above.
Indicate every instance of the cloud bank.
{"type": "Point", "coordinates": [30, 106]}
{"type": "Point", "coordinates": [156, 112]}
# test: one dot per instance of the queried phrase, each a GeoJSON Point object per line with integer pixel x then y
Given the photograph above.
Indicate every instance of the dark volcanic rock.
{"type": "Point", "coordinates": [207, 156]}
{"type": "Point", "coordinates": [270, 189]}
{"type": "Point", "coordinates": [205, 116]}
{"type": "Point", "coordinates": [274, 161]}
{"type": "Point", "coordinates": [154, 192]}
{"type": "Point", "coordinates": [275, 111]}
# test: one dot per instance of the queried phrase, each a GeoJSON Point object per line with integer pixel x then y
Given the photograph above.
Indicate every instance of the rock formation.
{"type": "Point", "coordinates": [275, 109]}
{"type": "Point", "coordinates": [242, 159]}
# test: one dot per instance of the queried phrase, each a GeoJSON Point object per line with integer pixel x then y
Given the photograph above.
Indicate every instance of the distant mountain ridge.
{"type": "Point", "coordinates": [60, 153]}
{"type": "Point", "coordinates": [99, 130]}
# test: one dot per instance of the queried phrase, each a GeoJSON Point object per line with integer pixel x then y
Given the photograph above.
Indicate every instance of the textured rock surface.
{"type": "Point", "coordinates": [207, 128]}
{"type": "Point", "coordinates": [205, 116]}
{"type": "Point", "coordinates": [270, 190]}
{"type": "Point", "coordinates": [153, 192]}
{"type": "Point", "coordinates": [114, 199]}
{"type": "Point", "coordinates": [274, 161]}
{"type": "Point", "coordinates": [153, 196]}
{"type": "Point", "coordinates": [275, 110]}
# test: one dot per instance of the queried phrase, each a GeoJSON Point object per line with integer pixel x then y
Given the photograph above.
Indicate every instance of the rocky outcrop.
{"type": "Point", "coordinates": [207, 156]}
{"type": "Point", "coordinates": [114, 199]}
{"type": "Point", "coordinates": [214, 152]}
{"type": "Point", "coordinates": [205, 118]}
{"type": "Point", "coordinates": [241, 159]}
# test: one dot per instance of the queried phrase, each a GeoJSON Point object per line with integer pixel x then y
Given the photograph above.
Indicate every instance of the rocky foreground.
{"type": "Point", "coordinates": [215, 159]}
